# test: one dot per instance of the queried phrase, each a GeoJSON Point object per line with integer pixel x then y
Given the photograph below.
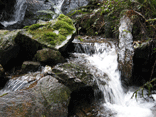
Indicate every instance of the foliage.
{"type": "Point", "coordinates": [148, 85]}
{"type": "Point", "coordinates": [79, 38]}
{"type": "Point", "coordinates": [92, 18]}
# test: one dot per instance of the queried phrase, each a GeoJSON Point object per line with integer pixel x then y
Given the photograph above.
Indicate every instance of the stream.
{"type": "Point", "coordinates": [101, 57]}
{"type": "Point", "coordinates": [105, 64]}
{"type": "Point", "coordinates": [20, 9]}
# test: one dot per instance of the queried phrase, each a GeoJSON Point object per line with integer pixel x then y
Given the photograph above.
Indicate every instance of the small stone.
{"type": "Point", "coordinates": [30, 66]}
{"type": "Point", "coordinates": [49, 56]}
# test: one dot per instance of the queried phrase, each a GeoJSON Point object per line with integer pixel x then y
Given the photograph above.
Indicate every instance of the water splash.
{"type": "Point", "coordinates": [19, 13]}
{"type": "Point", "coordinates": [103, 65]}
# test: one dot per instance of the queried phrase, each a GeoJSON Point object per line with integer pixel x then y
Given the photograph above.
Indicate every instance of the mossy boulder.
{"type": "Point", "coordinates": [21, 45]}
{"type": "Point", "coordinates": [49, 56]}
{"type": "Point", "coordinates": [54, 34]}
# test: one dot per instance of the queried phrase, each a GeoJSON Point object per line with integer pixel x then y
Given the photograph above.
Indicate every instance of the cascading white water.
{"type": "Point", "coordinates": [102, 60]}
{"type": "Point", "coordinates": [19, 13]}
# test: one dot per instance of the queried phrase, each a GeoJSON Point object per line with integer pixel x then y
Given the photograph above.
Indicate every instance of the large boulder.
{"type": "Point", "coordinates": [15, 48]}
{"type": "Point", "coordinates": [47, 98]}
{"type": "Point", "coordinates": [21, 45]}
{"type": "Point", "coordinates": [144, 62]}
{"type": "Point", "coordinates": [9, 50]}
{"type": "Point", "coordinates": [60, 92]}
{"type": "Point", "coordinates": [54, 34]}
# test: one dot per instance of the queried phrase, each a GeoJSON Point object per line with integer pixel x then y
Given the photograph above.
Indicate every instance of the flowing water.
{"type": "Point", "coordinates": [19, 13]}
{"type": "Point", "coordinates": [101, 58]}
{"type": "Point", "coordinates": [102, 61]}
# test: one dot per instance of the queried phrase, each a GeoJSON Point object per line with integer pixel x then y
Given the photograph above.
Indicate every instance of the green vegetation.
{"type": "Point", "coordinates": [33, 27]}
{"type": "Point", "coordinates": [146, 85]}
{"type": "Point", "coordinates": [62, 24]}
{"type": "Point", "coordinates": [45, 34]}
{"type": "Point", "coordinates": [79, 38]}
{"type": "Point", "coordinates": [3, 94]}
{"type": "Point", "coordinates": [102, 18]}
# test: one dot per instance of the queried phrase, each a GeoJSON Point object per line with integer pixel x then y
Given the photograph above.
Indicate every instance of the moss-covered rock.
{"type": "Point", "coordinates": [52, 33]}
{"type": "Point", "coordinates": [49, 56]}
{"type": "Point", "coordinates": [21, 45]}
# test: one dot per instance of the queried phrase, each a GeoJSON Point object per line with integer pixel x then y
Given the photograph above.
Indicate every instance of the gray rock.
{"type": "Point", "coordinates": [126, 50]}
{"type": "Point", "coordinates": [47, 98]}
{"type": "Point", "coordinates": [9, 50]}
{"type": "Point", "coordinates": [49, 56]}
{"type": "Point", "coordinates": [70, 5]}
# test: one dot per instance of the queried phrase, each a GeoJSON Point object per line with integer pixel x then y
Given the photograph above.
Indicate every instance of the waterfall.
{"type": "Point", "coordinates": [102, 60]}
{"type": "Point", "coordinates": [19, 13]}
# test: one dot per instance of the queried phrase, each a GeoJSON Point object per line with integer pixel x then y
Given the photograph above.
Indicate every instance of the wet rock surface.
{"type": "Point", "coordinates": [144, 68]}
{"type": "Point", "coordinates": [49, 56]}
{"type": "Point", "coordinates": [126, 51]}
{"type": "Point", "coordinates": [69, 5]}
{"type": "Point", "coordinates": [47, 98]}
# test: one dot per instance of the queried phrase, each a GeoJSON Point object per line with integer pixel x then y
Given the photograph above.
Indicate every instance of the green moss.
{"type": "Point", "coordinates": [62, 24]}
{"type": "Point", "coordinates": [6, 32]}
{"type": "Point", "coordinates": [63, 31]}
{"type": "Point", "coordinates": [50, 37]}
{"type": "Point", "coordinates": [61, 37]}
{"type": "Point", "coordinates": [35, 26]}
{"type": "Point", "coordinates": [65, 19]}
{"type": "Point", "coordinates": [26, 27]}
{"type": "Point", "coordinates": [46, 35]}
{"type": "Point", "coordinates": [46, 17]}
{"type": "Point", "coordinates": [61, 95]}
